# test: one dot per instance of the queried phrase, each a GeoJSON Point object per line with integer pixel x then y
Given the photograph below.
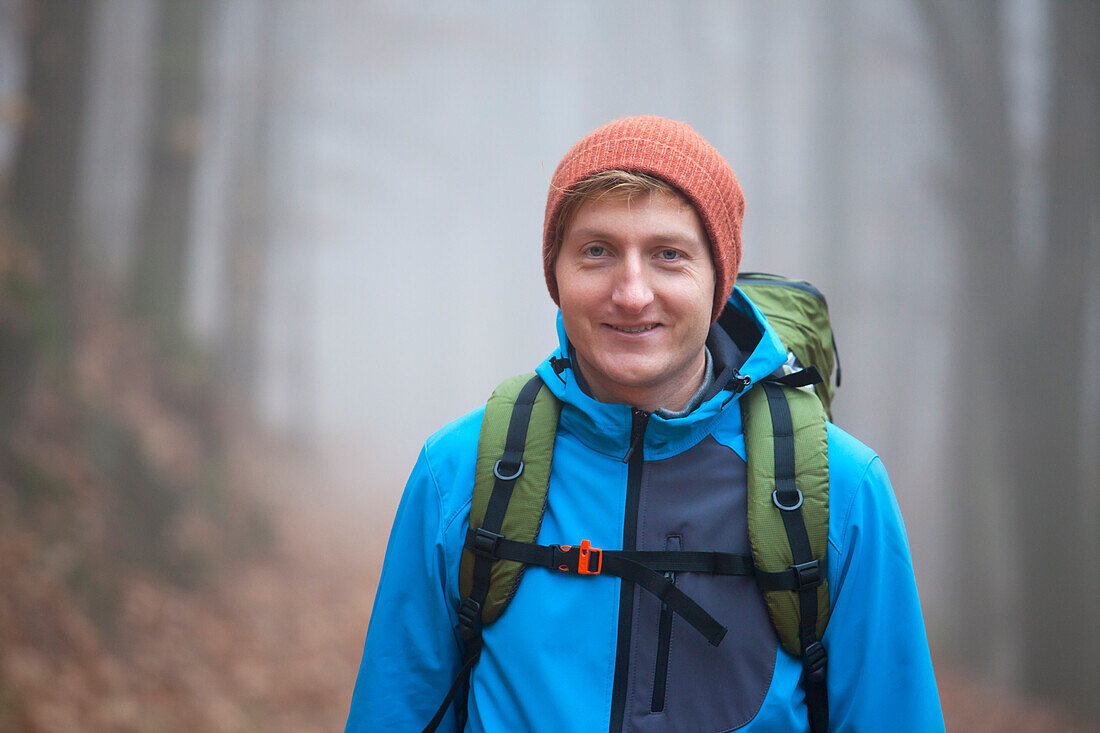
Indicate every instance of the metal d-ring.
{"type": "Point", "coordinates": [775, 500]}
{"type": "Point", "coordinates": [519, 470]}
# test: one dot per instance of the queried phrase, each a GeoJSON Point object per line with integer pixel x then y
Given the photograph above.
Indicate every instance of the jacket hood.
{"type": "Point", "coordinates": [742, 344]}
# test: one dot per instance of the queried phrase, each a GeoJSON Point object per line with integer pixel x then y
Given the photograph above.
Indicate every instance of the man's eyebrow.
{"type": "Point", "coordinates": [672, 237]}
{"type": "Point", "coordinates": [589, 232]}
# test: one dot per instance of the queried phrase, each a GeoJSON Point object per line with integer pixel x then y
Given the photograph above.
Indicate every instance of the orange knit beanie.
{"type": "Point", "coordinates": [676, 154]}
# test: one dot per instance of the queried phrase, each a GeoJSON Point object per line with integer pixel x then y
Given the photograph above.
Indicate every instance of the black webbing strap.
{"type": "Point", "coordinates": [836, 355]}
{"type": "Point", "coordinates": [789, 500]}
{"type": "Point", "coordinates": [802, 378]}
{"type": "Point", "coordinates": [510, 465]}
{"type": "Point", "coordinates": [714, 563]}
{"type": "Point", "coordinates": [646, 568]}
{"type": "Point", "coordinates": [506, 471]}
{"type": "Point", "coordinates": [796, 577]}
{"type": "Point", "coordinates": [459, 684]}
{"type": "Point", "coordinates": [663, 587]}
{"type": "Point", "coordinates": [661, 561]}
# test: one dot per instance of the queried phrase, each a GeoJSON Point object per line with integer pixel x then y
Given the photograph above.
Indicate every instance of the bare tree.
{"type": "Point", "coordinates": [966, 44]}
{"type": "Point", "coordinates": [42, 199]}
{"type": "Point", "coordinates": [157, 280]}
{"type": "Point", "coordinates": [1045, 357]}
{"type": "Point", "coordinates": [43, 185]}
{"type": "Point", "coordinates": [1027, 593]}
{"type": "Point", "coordinates": [247, 238]}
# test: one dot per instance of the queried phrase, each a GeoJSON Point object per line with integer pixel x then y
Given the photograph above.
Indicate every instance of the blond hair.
{"type": "Point", "coordinates": [614, 184]}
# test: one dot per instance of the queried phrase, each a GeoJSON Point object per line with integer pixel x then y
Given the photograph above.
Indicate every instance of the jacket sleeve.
{"type": "Point", "coordinates": [880, 669]}
{"type": "Point", "coordinates": [412, 653]}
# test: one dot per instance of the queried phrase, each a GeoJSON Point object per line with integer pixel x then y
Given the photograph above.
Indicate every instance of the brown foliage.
{"type": "Point", "coordinates": [150, 578]}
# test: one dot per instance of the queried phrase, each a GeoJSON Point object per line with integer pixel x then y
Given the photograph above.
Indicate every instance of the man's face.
{"type": "Point", "coordinates": [636, 288]}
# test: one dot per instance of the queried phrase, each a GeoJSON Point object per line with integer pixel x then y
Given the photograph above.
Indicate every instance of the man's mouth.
{"type": "Point", "coordinates": [634, 329]}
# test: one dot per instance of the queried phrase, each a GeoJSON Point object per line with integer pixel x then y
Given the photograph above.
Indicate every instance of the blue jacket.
{"type": "Point", "coordinates": [582, 654]}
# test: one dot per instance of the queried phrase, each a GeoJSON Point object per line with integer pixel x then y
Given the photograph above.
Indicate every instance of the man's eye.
{"type": "Point", "coordinates": [669, 254]}
{"type": "Point", "coordinates": [595, 250]}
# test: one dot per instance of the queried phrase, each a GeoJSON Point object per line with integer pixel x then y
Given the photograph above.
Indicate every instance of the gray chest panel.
{"type": "Point", "coordinates": [696, 501]}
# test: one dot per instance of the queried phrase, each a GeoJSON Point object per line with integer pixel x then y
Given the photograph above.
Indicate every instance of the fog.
{"type": "Point", "coordinates": [367, 179]}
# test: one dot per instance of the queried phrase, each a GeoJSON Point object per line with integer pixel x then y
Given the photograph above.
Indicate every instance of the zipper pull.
{"type": "Point", "coordinates": [559, 364]}
{"type": "Point", "coordinates": [740, 384]}
{"type": "Point", "coordinates": [673, 543]}
{"type": "Point", "coordinates": [638, 420]}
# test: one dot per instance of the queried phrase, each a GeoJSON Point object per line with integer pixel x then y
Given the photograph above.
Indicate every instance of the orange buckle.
{"type": "Point", "coordinates": [584, 563]}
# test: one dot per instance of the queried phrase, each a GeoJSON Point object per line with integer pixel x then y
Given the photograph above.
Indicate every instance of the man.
{"type": "Point", "coordinates": [641, 250]}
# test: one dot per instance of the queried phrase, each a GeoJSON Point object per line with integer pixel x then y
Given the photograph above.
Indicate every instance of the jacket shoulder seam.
{"type": "Point", "coordinates": [438, 490]}
{"type": "Point", "coordinates": [846, 526]}
{"type": "Point", "coordinates": [447, 516]}
{"type": "Point", "coordinates": [442, 443]}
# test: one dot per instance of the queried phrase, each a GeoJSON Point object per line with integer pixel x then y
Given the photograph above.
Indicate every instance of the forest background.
{"type": "Point", "coordinates": [253, 252]}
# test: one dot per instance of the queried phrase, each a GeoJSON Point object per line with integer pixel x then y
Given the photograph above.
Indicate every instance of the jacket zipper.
{"type": "Point", "coordinates": [635, 458]}
{"type": "Point", "coordinates": [664, 638]}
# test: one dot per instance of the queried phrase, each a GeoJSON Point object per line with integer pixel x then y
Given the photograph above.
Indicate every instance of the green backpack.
{"type": "Point", "coordinates": [799, 314]}
{"type": "Point", "coordinates": [788, 501]}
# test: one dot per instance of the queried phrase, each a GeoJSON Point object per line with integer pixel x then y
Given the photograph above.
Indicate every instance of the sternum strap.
{"type": "Point", "coordinates": [646, 568]}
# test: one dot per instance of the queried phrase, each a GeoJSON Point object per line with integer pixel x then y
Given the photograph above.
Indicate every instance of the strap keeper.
{"type": "Point", "coordinates": [814, 662]}
{"type": "Point", "coordinates": [806, 575]}
{"type": "Point", "coordinates": [485, 543]}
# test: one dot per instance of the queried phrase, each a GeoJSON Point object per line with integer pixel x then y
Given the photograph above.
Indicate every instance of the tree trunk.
{"type": "Point", "coordinates": [248, 230]}
{"type": "Point", "coordinates": [966, 44]}
{"type": "Point", "coordinates": [1028, 590]}
{"type": "Point", "coordinates": [159, 270]}
{"type": "Point", "coordinates": [43, 184]}
{"type": "Point", "coordinates": [1060, 576]}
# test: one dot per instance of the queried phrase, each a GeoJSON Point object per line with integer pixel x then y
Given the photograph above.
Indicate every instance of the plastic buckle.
{"type": "Point", "coordinates": [584, 558]}
{"type": "Point", "coordinates": [584, 564]}
{"type": "Point", "coordinates": [485, 543]}
{"type": "Point", "coordinates": [469, 617]}
{"type": "Point", "coordinates": [807, 575]}
{"type": "Point", "coordinates": [813, 661]}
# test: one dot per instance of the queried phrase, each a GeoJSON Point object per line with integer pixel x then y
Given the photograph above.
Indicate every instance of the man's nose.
{"type": "Point", "coordinates": [633, 288]}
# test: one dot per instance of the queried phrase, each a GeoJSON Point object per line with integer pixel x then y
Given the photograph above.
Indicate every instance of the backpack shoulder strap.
{"type": "Point", "coordinates": [788, 517]}
{"type": "Point", "coordinates": [514, 454]}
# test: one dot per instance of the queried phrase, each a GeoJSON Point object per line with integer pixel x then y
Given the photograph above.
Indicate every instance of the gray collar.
{"type": "Point", "coordinates": [697, 398]}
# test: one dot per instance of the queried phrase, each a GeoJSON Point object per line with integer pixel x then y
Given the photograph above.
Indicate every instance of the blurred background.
{"type": "Point", "coordinates": [253, 252]}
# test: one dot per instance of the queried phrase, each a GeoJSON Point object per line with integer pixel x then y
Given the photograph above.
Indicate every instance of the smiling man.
{"type": "Point", "coordinates": [662, 618]}
{"type": "Point", "coordinates": [635, 285]}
